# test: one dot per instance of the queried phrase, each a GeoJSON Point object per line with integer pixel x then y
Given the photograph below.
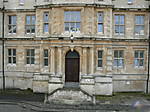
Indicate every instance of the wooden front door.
{"type": "Point", "coordinates": [72, 67]}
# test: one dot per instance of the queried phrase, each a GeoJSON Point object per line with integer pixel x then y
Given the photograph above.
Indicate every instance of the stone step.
{"type": "Point", "coordinates": [70, 96]}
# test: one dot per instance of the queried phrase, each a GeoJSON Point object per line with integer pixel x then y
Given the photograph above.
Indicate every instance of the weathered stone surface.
{"type": "Point", "coordinates": [69, 96]}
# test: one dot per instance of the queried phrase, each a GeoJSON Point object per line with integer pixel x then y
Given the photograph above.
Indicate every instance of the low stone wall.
{"type": "Point", "coordinates": [103, 85]}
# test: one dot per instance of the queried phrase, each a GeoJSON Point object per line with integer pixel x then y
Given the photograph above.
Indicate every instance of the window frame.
{"type": "Point", "coordinates": [12, 56]}
{"type": "Point", "coordinates": [118, 58]}
{"type": "Point", "coordinates": [30, 56]}
{"type": "Point", "coordinates": [100, 58]}
{"type": "Point", "coordinates": [12, 25]}
{"type": "Point", "coordinates": [30, 25]}
{"type": "Point", "coordinates": [135, 25]}
{"type": "Point", "coordinates": [73, 22]}
{"type": "Point", "coordinates": [101, 23]}
{"type": "Point", "coordinates": [139, 58]}
{"type": "Point", "coordinates": [45, 22]}
{"type": "Point", "coordinates": [119, 24]}
{"type": "Point", "coordinates": [45, 58]}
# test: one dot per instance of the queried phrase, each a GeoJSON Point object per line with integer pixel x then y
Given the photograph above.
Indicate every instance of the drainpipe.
{"type": "Point", "coordinates": [148, 76]}
{"type": "Point", "coordinates": [3, 40]}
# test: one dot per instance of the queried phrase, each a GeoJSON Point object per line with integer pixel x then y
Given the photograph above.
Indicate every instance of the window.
{"type": "Point", "coordinates": [30, 54]}
{"type": "Point", "coordinates": [130, 1]}
{"type": "Point", "coordinates": [46, 22]}
{"type": "Point", "coordinates": [119, 24]}
{"type": "Point", "coordinates": [21, 2]}
{"type": "Point", "coordinates": [139, 25]}
{"type": "Point", "coordinates": [12, 56]}
{"type": "Point", "coordinates": [72, 21]}
{"type": "Point", "coordinates": [30, 24]}
{"type": "Point", "coordinates": [12, 24]}
{"type": "Point", "coordinates": [139, 58]}
{"type": "Point", "coordinates": [100, 22]}
{"type": "Point", "coordinates": [100, 58]}
{"type": "Point", "coordinates": [118, 58]}
{"type": "Point", "coordinates": [45, 57]}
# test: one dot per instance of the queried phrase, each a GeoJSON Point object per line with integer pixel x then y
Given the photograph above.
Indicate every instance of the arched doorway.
{"type": "Point", "coordinates": [72, 65]}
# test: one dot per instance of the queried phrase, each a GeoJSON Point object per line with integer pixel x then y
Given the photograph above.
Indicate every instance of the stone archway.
{"type": "Point", "coordinates": [72, 66]}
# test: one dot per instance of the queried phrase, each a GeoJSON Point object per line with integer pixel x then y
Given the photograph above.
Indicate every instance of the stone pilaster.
{"type": "Point", "coordinates": [92, 60]}
{"type": "Point", "coordinates": [52, 61]}
{"type": "Point", "coordinates": [59, 66]}
{"type": "Point", "coordinates": [84, 61]}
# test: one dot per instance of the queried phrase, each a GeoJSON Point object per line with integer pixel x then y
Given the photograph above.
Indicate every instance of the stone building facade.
{"type": "Point", "coordinates": [99, 46]}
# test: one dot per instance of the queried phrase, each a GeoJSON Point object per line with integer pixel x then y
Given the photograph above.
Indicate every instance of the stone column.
{"type": "Point", "coordinates": [84, 61]}
{"type": "Point", "coordinates": [92, 60]}
{"type": "Point", "coordinates": [59, 72]}
{"type": "Point", "coordinates": [52, 61]}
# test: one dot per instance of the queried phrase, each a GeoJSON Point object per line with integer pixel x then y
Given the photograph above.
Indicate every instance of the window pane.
{"type": "Point", "coordinates": [45, 62]}
{"type": "Point", "coordinates": [33, 19]}
{"type": "Point", "coordinates": [28, 60]}
{"type": "Point", "coordinates": [13, 29]}
{"type": "Point", "coordinates": [100, 54]}
{"type": "Point", "coordinates": [32, 29]}
{"type": "Point", "coordinates": [120, 54]}
{"type": "Point", "coordinates": [120, 62]}
{"type": "Point", "coordinates": [99, 63]}
{"type": "Point", "coordinates": [67, 16]}
{"type": "Point", "coordinates": [122, 19]}
{"type": "Point", "coordinates": [141, 62]}
{"type": "Point", "coordinates": [14, 60]}
{"type": "Point", "coordinates": [46, 27]}
{"type": "Point", "coordinates": [115, 62]}
{"type": "Point", "coordinates": [9, 59]}
{"type": "Point", "coordinates": [28, 20]}
{"type": "Point", "coordinates": [77, 26]}
{"type": "Point", "coordinates": [45, 53]}
{"type": "Point", "coordinates": [9, 52]}
{"type": "Point", "coordinates": [117, 29]}
{"type": "Point", "coordinates": [14, 20]}
{"type": "Point", "coordinates": [116, 54]}
{"type": "Point", "coordinates": [121, 30]}
{"type": "Point", "coordinates": [100, 17]}
{"type": "Point", "coordinates": [46, 17]}
{"type": "Point", "coordinates": [100, 27]}
{"type": "Point", "coordinates": [136, 54]}
{"type": "Point", "coordinates": [32, 52]}
{"type": "Point", "coordinates": [28, 52]}
{"type": "Point", "coordinates": [14, 52]}
{"type": "Point", "coordinates": [32, 60]}
{"type": "Point", "coordinates": [136, 62]}
{"type": "Point", "coordinates": [28, 29]}
{"type": "Point", "coordinates": [66, 26]}
{"type": "Point", "coordinates": [141, 54]}
{"type": "Point", "coordinates": [116, 19]}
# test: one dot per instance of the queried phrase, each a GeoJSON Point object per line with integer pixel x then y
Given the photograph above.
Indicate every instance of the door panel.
{"type": "Point", "coordinates": [72, 70]}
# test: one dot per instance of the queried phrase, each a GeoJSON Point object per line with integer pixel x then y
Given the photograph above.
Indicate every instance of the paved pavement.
{"type": "Point", "coordinates": [16, 101]}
